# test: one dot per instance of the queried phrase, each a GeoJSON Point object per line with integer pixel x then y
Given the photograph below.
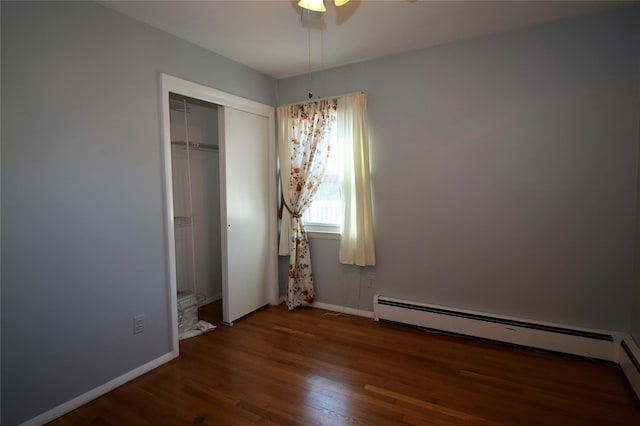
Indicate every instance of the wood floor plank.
{"type": "Point", "coordinates": [311, 367]}
{"type": "Point", "coordinates": [425, 404]}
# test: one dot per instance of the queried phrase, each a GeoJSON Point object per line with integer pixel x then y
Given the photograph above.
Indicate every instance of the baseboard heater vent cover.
{"type": "Point", "coordinates": [553, 337]}
{"type": "Point", "coordinates": [629, 361]}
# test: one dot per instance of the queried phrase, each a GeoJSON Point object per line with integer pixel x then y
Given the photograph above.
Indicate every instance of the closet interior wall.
{"type": "Point", "coordinates": [196, 197]}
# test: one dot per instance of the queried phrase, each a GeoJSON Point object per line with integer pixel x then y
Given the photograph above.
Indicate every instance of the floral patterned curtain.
{"type": "Point", "coordinates": [303, 154]}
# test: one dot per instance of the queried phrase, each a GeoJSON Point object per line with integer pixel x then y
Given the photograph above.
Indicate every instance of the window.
{"type": "Point", "coordinates": [342, 206]}
{"type": "Point", "coordinates": [325, 212]}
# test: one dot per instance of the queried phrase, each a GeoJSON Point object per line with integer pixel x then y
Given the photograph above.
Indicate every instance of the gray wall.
{"type": "Point", "coordinates": [504, 173]}
{"type": "Point", "coordinates": [82, 195]}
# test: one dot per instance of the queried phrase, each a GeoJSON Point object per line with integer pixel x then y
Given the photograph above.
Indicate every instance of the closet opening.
{"type": "Point", "coordinates": [195, 172]}
{"type": "Point", "coordinates": [246, 197]}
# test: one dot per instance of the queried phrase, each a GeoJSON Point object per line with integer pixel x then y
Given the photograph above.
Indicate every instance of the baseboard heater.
{"type": "Point", "coordinates": [629, 360]}
{"type": "Point", "coordinates": [552, 337]}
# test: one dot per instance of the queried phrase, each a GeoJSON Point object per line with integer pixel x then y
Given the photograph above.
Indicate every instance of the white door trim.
{"type": "Point", "coordinates": [173, 84]}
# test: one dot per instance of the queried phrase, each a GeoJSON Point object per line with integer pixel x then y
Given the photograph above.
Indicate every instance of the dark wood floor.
{"type": "Point", "coordinates": [310, 367]}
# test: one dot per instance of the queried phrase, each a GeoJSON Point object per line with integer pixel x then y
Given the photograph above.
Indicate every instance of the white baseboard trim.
{"type": "Point", "coordinates": [71, 405]}
{"type": "Point", "coordinates": [336, 308]}
{"type": "Point", "coordinates": [629, 361]}
{"type": "Point", "coordinates": [342, 309]}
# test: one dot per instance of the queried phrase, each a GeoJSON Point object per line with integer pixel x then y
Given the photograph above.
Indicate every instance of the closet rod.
{"type": "Point", "coordinates": [196, 145]}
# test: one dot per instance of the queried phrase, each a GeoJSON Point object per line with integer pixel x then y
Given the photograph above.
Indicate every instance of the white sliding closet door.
{"type": "Point", "coordinates": [245, 177]}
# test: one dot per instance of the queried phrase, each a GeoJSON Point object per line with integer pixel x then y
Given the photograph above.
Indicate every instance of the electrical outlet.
{"type": "Point", "coordinates": [371, 281]}
{"type": "Point", "coordinates": [138, 324]}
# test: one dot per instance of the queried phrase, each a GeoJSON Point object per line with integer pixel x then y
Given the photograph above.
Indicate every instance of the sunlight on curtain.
{"type": "Point", "coordinates": [357, 243]}
{"type": "Point", "coordinates": [303, 152]}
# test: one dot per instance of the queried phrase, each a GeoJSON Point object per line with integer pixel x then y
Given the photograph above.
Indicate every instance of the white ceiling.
{"type": "Point", "coordinates": [269, 36]}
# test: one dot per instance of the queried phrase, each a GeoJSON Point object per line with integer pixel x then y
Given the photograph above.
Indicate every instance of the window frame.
{"type": "Point", "coordinates": [326, 229]}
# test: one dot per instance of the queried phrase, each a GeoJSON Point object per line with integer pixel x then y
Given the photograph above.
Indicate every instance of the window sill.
{"type": "Point", "coordinates": [323, 235]}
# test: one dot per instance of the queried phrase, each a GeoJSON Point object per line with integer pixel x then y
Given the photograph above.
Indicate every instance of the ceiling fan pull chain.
{"type": "Point", "coordinates": [309, 64]}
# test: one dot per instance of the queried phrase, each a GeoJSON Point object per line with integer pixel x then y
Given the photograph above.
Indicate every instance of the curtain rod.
{"type": "Point", "coordinates": [323, 99]}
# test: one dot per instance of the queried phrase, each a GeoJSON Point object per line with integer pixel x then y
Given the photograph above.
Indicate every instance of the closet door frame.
{"type": "Point", "coordinates": [171, 84]}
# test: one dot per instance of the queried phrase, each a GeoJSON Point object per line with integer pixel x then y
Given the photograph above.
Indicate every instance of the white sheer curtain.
{"type": "Point", "coordinates": [303, 152]}
{"type": "Point", "coordinates": [357, 242]}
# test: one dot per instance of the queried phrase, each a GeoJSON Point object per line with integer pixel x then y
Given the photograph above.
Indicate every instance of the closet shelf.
{"type": "Point", "coordinates": [196, 145]}
{"type": "Point", "coordinates": [181, 220]}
